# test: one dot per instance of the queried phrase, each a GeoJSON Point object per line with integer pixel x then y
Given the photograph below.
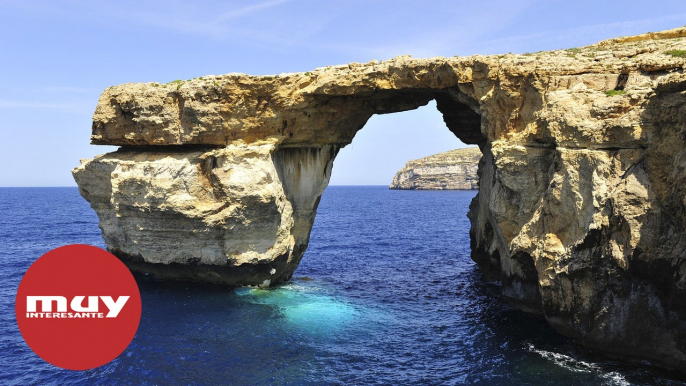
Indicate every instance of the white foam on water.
{"type": "Point", "coordinates": [613, 378]}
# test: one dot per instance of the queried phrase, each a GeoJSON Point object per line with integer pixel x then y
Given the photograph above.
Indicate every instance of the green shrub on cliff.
{"type": "Point", "coordinates": [676, 53]}
{"type": "Point", "coordinates": [178, 83]}
{"type": "Point", "coordinates": [614, 92]}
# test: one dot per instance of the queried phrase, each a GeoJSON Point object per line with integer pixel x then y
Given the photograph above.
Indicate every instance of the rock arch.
{"type": "Point", "coordinates": [239, 164]}
{"type": "Point", "coordinates": [580, 212]}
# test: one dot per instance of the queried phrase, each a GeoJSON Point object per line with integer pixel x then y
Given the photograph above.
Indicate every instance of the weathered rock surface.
{"type": "Point", "coordinates": [581, 210]}
{"type": "Point", "coordinates": [450, 170]}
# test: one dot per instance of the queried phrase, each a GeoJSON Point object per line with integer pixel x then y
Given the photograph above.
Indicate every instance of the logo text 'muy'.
{"type": "Point", "coordinates": [76, 304]}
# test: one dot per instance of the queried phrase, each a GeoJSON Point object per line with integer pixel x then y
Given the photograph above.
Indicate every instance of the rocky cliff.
{"type": "Point", "coordinates": [451, 170]}
{"type": "Point", "coordinates": [581, 210]}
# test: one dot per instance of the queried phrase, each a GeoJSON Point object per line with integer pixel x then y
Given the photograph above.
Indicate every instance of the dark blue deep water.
{"type": "Point", "coordinates": [385, 295]}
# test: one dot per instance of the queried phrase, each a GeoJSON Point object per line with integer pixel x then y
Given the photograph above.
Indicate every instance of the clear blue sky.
{"type": "Point", "coordinates": [57, 56]}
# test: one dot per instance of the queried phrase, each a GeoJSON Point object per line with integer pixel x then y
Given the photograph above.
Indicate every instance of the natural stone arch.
{"type": "Point", "coordinates": [218, 177]}
{"type": "Point", "coordinates": [304, 171]}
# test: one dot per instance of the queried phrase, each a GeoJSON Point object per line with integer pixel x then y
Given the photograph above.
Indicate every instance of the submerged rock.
{"type": "Point", "coordinates": [581, 210]}
{"type": "Point", "coordinates": [450, 170]}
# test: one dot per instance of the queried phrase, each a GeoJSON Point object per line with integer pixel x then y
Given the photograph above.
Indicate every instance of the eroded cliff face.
{"type": "Point", "coordinates": [581, 211]}
{"type": "Point", "coordinates": [450, 170]}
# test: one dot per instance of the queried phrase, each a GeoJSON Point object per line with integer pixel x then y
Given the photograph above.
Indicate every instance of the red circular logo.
{"type": "Point", "coordinates": [78, 307]}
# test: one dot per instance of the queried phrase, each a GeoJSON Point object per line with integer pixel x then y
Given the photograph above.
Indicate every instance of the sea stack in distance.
{"type": "Point", "coordinates": [450, 170]}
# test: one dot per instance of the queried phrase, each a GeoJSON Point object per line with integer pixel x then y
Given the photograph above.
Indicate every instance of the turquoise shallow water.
{"type": "Point", "coordinates": [386, 295]}
{"type": "Point", "coordinates": [305, 307]}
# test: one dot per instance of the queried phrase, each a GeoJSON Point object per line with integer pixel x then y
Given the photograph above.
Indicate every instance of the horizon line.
{"type": "Point", "coordinates": [74, 186]}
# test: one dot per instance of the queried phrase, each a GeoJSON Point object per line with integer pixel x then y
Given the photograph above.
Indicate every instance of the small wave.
{"type": "Point", "coordinates": [572, 364]}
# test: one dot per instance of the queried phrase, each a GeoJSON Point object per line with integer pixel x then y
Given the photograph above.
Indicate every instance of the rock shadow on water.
{"type": "Point", "coordinates": [531, 352]}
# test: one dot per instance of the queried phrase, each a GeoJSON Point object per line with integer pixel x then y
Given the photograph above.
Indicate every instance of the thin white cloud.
{"type": "Point", "coordinates": [467, 38]}
{"type": "Point", "coordinates": [188, 18]}
{"type": "Point", "coordinates": [71, 90]}
{"type": "Point", "coordinates": [438, 39]}
{"type": "Point", "coordinates": [581, 35]}
{"type": "Point", "coordinates": [38, 105]}
{"type": "Point", "coordinates": [181, 16]}
{"type": "Point", "coordinates": [248, 10]}
{"type": "Point", "coordinates": [38, 91]}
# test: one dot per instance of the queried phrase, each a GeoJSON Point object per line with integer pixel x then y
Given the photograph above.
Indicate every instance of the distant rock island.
{"type": "Point", "coordinates": [451, 170]}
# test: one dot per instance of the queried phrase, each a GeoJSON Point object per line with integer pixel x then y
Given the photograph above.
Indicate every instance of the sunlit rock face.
{"type": "Point", "coordinates": [581, 210]}
{"type": "Point", "coordinates": [451, 170]}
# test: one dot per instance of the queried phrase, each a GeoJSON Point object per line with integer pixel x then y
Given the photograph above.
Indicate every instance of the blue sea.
{"type": "Point", "coordinates": [386, 294]}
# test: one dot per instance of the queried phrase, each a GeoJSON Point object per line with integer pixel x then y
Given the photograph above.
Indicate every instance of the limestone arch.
{"type": "Point", "coordinates": [304, 171]}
